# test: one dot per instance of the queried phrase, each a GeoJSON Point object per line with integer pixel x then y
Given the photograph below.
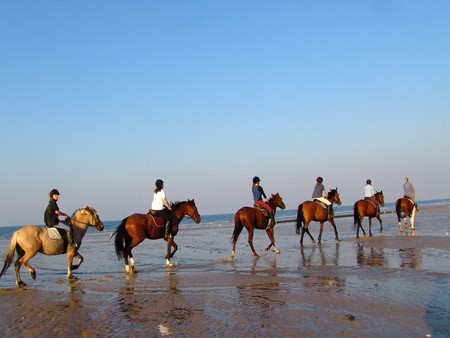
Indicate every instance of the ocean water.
{"type": "Point", "coordinates": [282, 216]}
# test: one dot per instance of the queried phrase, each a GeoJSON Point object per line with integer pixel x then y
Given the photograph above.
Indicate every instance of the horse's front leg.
{"type": "Point", "coordinates": [381, 223]}
{"type": "Point", "coordinates": [80, 260]}
{"type": "Point", "coordinates": [335, 229]}
{"type": "Point", "coordinates": [271, 234]}
{"type": "Point", "coordinates": [70, 256]}
{"type": "Point", "coordinates": [370, 226]}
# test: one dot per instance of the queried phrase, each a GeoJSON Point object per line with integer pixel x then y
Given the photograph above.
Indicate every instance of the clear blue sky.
{"type": "Point", "coordinates": [101, 98]}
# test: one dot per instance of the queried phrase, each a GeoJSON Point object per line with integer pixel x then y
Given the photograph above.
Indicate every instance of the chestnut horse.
{"type": "Point", "coordinates": [404, 207]}
{"type": "Point", "coordinates": [253, 218]}
{"type": "Point", "coordinates": [315, 211]}
{"type": "Point", "coordinates": [367, 208]}
{"type": "Point", "coordinates": [31, 239]}
{"type": "Point", "coordinates": [137, 227]}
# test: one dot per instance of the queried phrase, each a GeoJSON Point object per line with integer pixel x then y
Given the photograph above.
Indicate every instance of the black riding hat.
{"type": "Point", "coordinates": [368, 182]}
{"type": "Point", "coordinates": [54, 192]}
{"type": "Point", "coordinates": [256, 179]}
{"type": "Point", "coordinates": [319, 179]}
{"type": "Point", "coordinates": [159, 183]}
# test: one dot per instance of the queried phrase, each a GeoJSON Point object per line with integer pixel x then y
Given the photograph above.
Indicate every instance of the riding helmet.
{"type": "Point", "coordinates": [368, 182]}
{"type": "Point", "coordinates": [54, 192]}
{"type": "Point", "coordinates": [256, 179]}
{"type": "Point", "coordinates": [319, 179]}
{"type": "Point", "coordinates": [159, 183]}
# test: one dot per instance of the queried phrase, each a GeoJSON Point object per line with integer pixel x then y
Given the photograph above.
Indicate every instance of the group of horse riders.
{"type": "Point", "coordinates": [161, 207]}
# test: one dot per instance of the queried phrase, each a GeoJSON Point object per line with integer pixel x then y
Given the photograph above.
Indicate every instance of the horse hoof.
{"type": "Point", "coordinates": [277, 251]}
{"type": "Point", "coordinates": [72, 278]}
{"type": "Point", "coordinates": [21, 284]}
{"type": "Point", "coordinates": [168, 263]}
{"type": "Point", "coordinates": [314, 241]}
{"type": "Point", "coordinates": [33, 275]}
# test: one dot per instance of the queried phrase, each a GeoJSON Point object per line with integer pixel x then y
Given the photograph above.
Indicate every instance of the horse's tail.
{"type": "Point", "coordinates": [300, 218]}
{"type": "Point", "coordinates": [398, 208]}
{"type": "Point", "coordinates": [356, 218]}
{"type": "Point", "coordinates": [238, 226]}
{"type": "Point", "coordinates": [120, 239]}
{"type": "Point", "coordinates": [10, 254]}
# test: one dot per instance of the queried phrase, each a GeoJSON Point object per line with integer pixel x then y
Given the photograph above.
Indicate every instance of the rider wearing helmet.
{"type": "Point", "coordinates": [161, 207]}
{"type": "Point", "coordinates": [320, 194]}
{"type": "Point", "coordinates": [52, 213]}
{"type": "Point", "coordinates": [369, 194]}
{"type": "Point", "coordinates": [258, 194]}
{"type": "Point", "coordinates": [410, 192]}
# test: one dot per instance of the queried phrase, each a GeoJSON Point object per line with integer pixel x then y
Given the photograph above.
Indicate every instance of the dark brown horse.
{"type": "Point", "coordinates": [404, 207]}
{"type": "Point", "coordinates": [314, 211]}
{"type": "Point", "coordinates": [253, 218]}
{"type": "Point", "coordinates": [368, 208]}
{"type": "Point", "coordinates": [31, 239]}
{"type": "Point", "coordinates": [137, 227]}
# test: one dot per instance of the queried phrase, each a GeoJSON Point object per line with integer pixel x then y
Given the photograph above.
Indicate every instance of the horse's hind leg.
{"type": "Point", "coordinates": [23, 259]}
{"type": "Point", "coordinates": [237, 231]}
{"type": "Point", "coordinates": [270, 233]}
{"type": "Point", "coordinates": [306, 229]}
{"type": "Point", "coordinates": [250, 242]}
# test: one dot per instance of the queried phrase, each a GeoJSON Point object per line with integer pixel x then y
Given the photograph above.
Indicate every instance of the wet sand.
{"type": "Point", "coordinates": [393, 284]}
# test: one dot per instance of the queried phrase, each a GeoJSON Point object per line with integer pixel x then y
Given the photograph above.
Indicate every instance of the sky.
{"type": "Point", "coordinates": [100, 98]}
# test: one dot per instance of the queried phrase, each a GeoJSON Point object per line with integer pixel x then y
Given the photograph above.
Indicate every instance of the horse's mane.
{"type": "Point", "coordinates": [87, 208]}
{"type": "Point", "coordinates": [331, 193]}
{"type": "Point", "coordinates": [177, 203]}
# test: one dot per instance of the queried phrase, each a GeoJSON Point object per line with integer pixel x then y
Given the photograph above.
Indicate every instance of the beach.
{"type": "Point", "coordinates": [392, 284]}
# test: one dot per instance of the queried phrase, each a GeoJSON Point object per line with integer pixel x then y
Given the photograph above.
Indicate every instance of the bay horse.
{"type": "Point", "coordinates": [404, 207]}
{"type": "Point", "coordinates": [253, 218]}
{"type": "Point", "coordinates": [137, 227]}
{"type": "Point", "coordinates": [367, 208]}
{"type": "Point", "coordinates": [31, 239]}
{"type": "Point", "coordinates": [314, 211]}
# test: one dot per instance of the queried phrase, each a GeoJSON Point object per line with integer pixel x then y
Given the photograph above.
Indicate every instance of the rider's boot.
{"type": "Point", "coordinates": [72, 243]}
{"type": "Point", "coordinates": [271, 222]}
{"type": "Point", "coordinates": [167, 230]}
{"type": "Point", "coordinates": [330, 212]}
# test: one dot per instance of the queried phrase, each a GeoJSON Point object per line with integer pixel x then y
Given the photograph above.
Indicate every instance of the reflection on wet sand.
{"type": "Point", "coordinates": [326, 256]}
{"type": "Point", "coordinates": [410, 258]}
{"type": "Point", "coordinates": [321, 283]}
{"type": "Point", "coordinates": [371, 256]}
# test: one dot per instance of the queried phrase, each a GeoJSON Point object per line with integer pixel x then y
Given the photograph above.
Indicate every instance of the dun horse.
{"type": "Point", "coordinates": [367, 208]}
{"type": "Point", "coordinates": [137, 227]}
{"type": "Point", "coordinates": [254, 218]}
{"type": "Point", "coordinates": [314, 211]}
{"type": "Point", "coordinates": [404, 207]}
{"type": "Point", "coordinates": [31, 239]}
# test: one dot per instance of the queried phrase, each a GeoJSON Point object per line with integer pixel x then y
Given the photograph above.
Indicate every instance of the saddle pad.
{"type": "Point", "coordinates": [321, 203]}
{"type": "Point", "coordinates": [53, 233]}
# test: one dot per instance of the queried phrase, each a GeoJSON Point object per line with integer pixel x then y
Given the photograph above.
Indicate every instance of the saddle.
{"type": "Point", "coordinates": [370, 200]}
{"type": "Point", "coordinates": [264, 211]}
{"type": "Point", "coordinates": [159, 221]}
{"type": "Point", "coordinates": [56, 233]}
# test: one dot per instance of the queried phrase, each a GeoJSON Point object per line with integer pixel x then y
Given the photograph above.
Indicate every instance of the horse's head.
{"type": "Point", "coordinates": [88, 216]}
{"type": "Point", "coordinates": [333, 196]}
{"type": "Point", "coordinates": [379, 197]}
{"type": "Point", "coordinates": [192, 211]}
{"type": "Point", "coordinates": [277, 202]}
{"type": "Point", "coordinates": [186, 208]}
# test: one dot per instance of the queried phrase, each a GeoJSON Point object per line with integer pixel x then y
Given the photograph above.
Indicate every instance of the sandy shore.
{"type": "Point", "coordinates": [393, 284]}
